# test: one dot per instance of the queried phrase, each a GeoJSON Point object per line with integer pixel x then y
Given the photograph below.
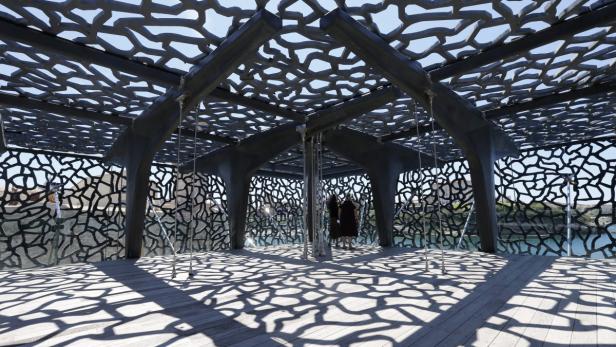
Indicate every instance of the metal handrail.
{"type": "Point", "coordinates": [468, 219]}
{"type": "Point", "coordinates": [160, 223]}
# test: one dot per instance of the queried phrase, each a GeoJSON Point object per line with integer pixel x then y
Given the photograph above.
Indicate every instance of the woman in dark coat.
{"type": "Point", "coordinates": [349, 227]}
{"type": "Point", "coordinates": [334, 218]}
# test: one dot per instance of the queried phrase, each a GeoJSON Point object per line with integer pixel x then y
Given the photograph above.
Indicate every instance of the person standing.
{"type": "Point", "coordinates": [334, 219]}
{"type": "Point", "coordinates": [349, 228]}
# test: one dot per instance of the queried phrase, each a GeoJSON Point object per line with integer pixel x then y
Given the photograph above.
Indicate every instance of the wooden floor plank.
{"type": "Point", "coordinates": [584, 330]}
{"type": "Point", "coordinates": [561, 327]}
{"type": "Point", "coordinates": [606, 303]}
{"type": "Point", "coordinates": [270, 297]}
{"type": "Point", "coordinates": [492, 302]}
{"type": "Point", "coordinates": [448, 323]}
{"type": "Point", "coordinates": [537, 328]}
{"type": "Point", "coordinates": [510, 321]}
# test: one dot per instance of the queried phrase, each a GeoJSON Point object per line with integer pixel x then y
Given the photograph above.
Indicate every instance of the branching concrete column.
{"type": "Point", "coordinates": [137, 145]}
{"type": "Point", "coordinates": [384, 162]}
{"type": "Point", "coordinates": [462, 120]}
{"type": "Point", "coordinates": [237, 164]}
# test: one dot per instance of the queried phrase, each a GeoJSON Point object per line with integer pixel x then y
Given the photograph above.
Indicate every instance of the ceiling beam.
{"type": "Point", "coordinates": [253, 152]}
{"type": "Point", "coordinates": [24, 103]}
{"type": "Point", "coordinates": [510, 110]}
{"type": "Point", "coordinates": [256, 104]}
{"type": "Point", "coordinates": [203, 135]}
{"type": "Point", "coordinates": [297, 173]}
{"type": "Point", "coordinates": [268, 144]}
{"type": "Point", "coordinates": [560, 30]}
{"type": "Point", "coordinates": [288, 159]}
{"type": "Point", "coordinates": [550, 99]}
{"type": "Point", "coordinates": [350, 109]}
{"type": "Point", "coordinates": [50, 43]}
{"type": "Point", "coordinates": [343, 171]}
{"type": "Point", "coordinates": [365, 150]}
{"type": "Point", "coordinates": [412, 132]}
{"type": "Point", "coordinates": [276, 174]}
{"type": "Point", "coordinates": [281, 168]}
{"type": "Point", "coordinates": [455, 114]}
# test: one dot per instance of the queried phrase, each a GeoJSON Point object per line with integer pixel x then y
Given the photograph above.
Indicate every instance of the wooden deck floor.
{"type": "Point", "coordinates": [265, 297]}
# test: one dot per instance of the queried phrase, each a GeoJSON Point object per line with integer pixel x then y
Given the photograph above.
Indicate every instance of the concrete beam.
{"type": "Point", "coordinates": [455, 114]}
{"type": "Point", "coordinates": [87, 55]}
{"type": "Point", "coordinates": [291, 170]}
{"type": "Point", "coordinates": [550, 99]}
{"type": "Point", "coordinates": [251, 154]}
{"type": "Point", "coordinates": [275, 174]}
{"type": "Point", "coordinates": [268, 144]}
{"type": "Point", "coordinates": [350, 109]}
{"type": "Point", "coordinates": [256, 104]}
{"type": "Point", "coordinates": [343, 171]}
{"type": "Point", "coordinates": [384, 162]}
{"type": "Point", "coordinates": [24, 103]}
{"type": "Point", "coordinates": [138, 144]}
{"type": "Point", "coordinates": [511, 110]}
{"type": "Point", "coordinates": [557, 31]}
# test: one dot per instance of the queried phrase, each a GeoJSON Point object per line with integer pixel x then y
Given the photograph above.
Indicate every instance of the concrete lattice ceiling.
{"type": "Point", "coordinates": [303, 69]}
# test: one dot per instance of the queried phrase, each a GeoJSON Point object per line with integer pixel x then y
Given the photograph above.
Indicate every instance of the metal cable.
{"type": "Point", "coordinates": [438, 187]}
{"type": "Point", "coordinates": [120, 203]}
{"type": "Point", "coordinates": [180, 101]}
{"type": "Point", "coordinates": [192, 196]}
{"type": "Point", "coordinates": [302, 131]}
{"type": "Point", "coordinates": [421, 198]}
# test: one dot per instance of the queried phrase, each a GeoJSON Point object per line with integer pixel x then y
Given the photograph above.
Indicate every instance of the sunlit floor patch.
{"type": "Point", "coordinates": [369, 296]}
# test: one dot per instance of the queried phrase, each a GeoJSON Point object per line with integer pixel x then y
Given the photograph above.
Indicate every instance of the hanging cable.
{"type": "Point", "coordinates": [192, 194]}
{"type": "Point", "coordinates": [206, 213]}
{"type": "Point", "coordinates": [319, 216]}
{"type": "Point", "coordinates": [3, 143]}
{"type": "Point", "coordinates": [317, 205]}
{"type": "Point", "coordinates": [302, 130]}
{"type": "Point", "coordinates": [180, 101]}
{"type": "Point", "coordinates": [421, 199]}
{"type": "Point", "coordinates": [312, 198]}
{"type": "Point", "coordinates": [438, 186]}
{"type": "Point", "coordinates": [323, 195]}
{"type": "Point", "coordinates": [121, 189]}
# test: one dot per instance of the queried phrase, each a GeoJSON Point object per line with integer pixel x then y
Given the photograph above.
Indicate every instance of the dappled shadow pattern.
{"type": "Point", "coordinates": [272, 297]}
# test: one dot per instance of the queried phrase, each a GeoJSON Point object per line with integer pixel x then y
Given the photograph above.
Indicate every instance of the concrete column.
{"type": "Point", "coordinates": [384, 184]}
{"type": "Point", "coordinates": [310, 185]}
{"type": "Point", "coordinates": [138, 168]}
{"type": "Point", "coordinates": [237, 186]}
{"type": "Point", "coordinates": [384, 162]}
{"type": "Point", "coordinates": [481, 165]}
